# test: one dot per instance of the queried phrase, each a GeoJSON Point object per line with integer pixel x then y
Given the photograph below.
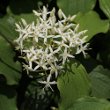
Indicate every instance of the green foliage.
{"type": "Point", "coordinates": [105, 6]}
{"type": "Point", "coordinates": [90, 103]}
{"type": "Point", "coordinates": [92, 22]}
{"type": "Point", "coordinates": [7, 98]}
{"type": "Point", "coordinates": [7, 28]}
{"type": "Point", "coordinates": [73, 84]}
{"type": "Point", "coordinates": [8, 67]}
{"type": "Point", "coordinates": [71, 7]}
{"type": "Point", "coordinates": [76, 89]}
{"type": "Point", "coordinates": [100, 79]}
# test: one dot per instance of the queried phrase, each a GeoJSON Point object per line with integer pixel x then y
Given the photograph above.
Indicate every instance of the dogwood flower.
{"type": "Point", "coordinates": [47, 43]}
{"type": "Point", "coordinates": [48, 83]}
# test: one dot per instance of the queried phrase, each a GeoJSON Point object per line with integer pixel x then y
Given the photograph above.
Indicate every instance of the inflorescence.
{"type": "Point", "coordinates": [47, 43]}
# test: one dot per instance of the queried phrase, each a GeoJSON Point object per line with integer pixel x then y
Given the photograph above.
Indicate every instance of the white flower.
{"type": "Point", "coordinates": [61, 14]}
{"type": "Point", "coordinates": [49, 43]}
{"type": "Point", "coordinates": [82, 49]}
{"type": "Point", "coordinates": [48, 83]}
{"type": "Point", "coordinates": [66, 55]}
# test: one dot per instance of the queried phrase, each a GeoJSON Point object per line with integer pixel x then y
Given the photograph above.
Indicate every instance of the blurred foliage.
{"type": "Point", "coordinates": [90, 103]}
{"type": "Point", "coordinates": [100, 79]}
{"type": "Point", "coordinates": [71, 7]}
{"type": "Point", "coordinates": [105, 6]}
{"type": "Point", "coordinates": [78, 84]}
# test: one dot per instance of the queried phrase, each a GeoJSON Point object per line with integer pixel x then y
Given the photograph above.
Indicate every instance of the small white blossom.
{"type": "Point", "coordinates": [82, 49]}
{"type": "Point", "coordinates": [49, 43]}
{"type": "Point", "coordinates": [48, 83]}
{"type": "Point", "coordinates": [66, 55]}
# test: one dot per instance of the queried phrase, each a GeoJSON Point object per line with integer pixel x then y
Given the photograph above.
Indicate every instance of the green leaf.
{"type": "Point", "coordinates": [73, 84]}
{"type": "Point", "coordinates": [10, 69]}
{"type": "Point", "coordinates": [71, 7]}
{"type": "Point", "coordinates": [91, 21]}
{"type": "Point", "coordinates": [100, 79]}
{"type": "Point", "coordinates": [7, 98]}
{"type": "Point", "coordinates": [90, 103]}
{"type": "Point", "coordinates": [105, 6]}
{"type": "Point", "coordinates": [7, 28]}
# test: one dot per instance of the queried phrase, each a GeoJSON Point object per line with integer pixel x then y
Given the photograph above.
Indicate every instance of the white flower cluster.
{"type": "Point", "coordinates": [46, 44]}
